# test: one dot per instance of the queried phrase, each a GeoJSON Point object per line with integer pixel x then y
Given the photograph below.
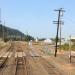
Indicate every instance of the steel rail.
{"type": "Point", "coordinates": [3, 60]}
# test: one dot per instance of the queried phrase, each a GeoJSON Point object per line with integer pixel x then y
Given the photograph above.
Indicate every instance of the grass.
{"type": "Point", "coordinates": [66, 47]}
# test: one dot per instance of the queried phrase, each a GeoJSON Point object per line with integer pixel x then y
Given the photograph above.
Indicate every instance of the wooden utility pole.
{"type": "Point", "coordinates": [60, 33]}
{"type": "Point", "coordinates": [58, 22]}
{"type": "Point", "coordinates": [70, 48]}
{"type": "Point", "coordinates": [3, 29]}
{"type": "Point", "coordinates": [60, 37]}
{"type": "Point", "coordinates": [0, 16]}
{"type": "Point", "coordinates": [1, 24]}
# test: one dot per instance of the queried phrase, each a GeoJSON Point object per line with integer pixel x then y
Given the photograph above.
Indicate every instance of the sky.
{"type": "Point", "coordinates": [35, 17]}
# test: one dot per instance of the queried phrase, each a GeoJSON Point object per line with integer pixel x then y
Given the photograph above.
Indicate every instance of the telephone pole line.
{"type": "Point", "coordinates": [1, 24]}
{"type": "Point", "coordinates": [60, 37]}
{"type": "Point", "coordinates": [4, 31]}
{"type": "Point", "coordinates": [0, 16]}
{"type": "Point", "coordinates": [58, 22]}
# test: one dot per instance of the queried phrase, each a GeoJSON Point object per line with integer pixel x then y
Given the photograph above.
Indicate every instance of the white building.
{"type": "Point", "coordinates": [48, 41]}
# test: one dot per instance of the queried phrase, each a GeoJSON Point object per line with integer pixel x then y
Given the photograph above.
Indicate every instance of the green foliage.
{"type": "Point", "coordinates": [41, 39]}
{"type": "Point", "coordinates": [28, 38]}
{"type": "Point", "coordinates": [73, 40]}
{"type": "Point", "coordinates": [9, 32]}
{"type": "Point", "coordinates": [54, 39]}
{"type": "Point", "coordinates": [65, 47]}
{"type": "Point", "coordinates": [13, 34]}
{"type": "Point", "coordinates": [73, 47]}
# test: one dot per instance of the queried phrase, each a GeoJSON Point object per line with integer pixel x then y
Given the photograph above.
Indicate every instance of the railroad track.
{"type": "Point", "coordinates": [20, 64]}
{"type": "Point", "coordinates": [30, 64]}
{"type": "Point", "coordinates": [50, 68]}
{"type": "Point", "coordinates": [44, 64]}
{"type": "Point", "coordinates": [5, 56]}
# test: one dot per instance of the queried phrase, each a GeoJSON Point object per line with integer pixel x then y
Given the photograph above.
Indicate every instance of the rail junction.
{"type": "Point", "coordinates": [20, 59]}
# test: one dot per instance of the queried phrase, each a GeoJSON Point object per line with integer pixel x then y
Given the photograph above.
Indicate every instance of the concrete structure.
{"type": "Point", "coordinates": [47, 41]}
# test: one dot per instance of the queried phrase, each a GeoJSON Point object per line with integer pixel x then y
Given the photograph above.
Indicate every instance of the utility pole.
{"type": "Point", "coordinates": [4, 31]}
{"type": "Point", "coordinates": [70, 48]}
{"type": "Point", "coordinates": [60, 37]}
{"type": "Point", "coordinates": [2, 27]}
{"type": "Point", "coordinates": [0, 16]}
{"type": "Point", "coordinates": [58, 22]}
{"type": "Point", "coordinates": [1, 24]}
{"type": "Point", "coordinates": [60, 33]}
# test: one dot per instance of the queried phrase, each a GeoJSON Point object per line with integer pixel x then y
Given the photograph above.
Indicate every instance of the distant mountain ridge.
{"type": "Point", "coordinates": [10, 33]}
{"type": "Point", "coordinates": [7, 33]}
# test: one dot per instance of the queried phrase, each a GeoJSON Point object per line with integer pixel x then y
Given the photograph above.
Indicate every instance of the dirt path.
{"type": "Point", "coordinates": [63, 67]}
{"type": "Point", "coordinates": [36, 62]}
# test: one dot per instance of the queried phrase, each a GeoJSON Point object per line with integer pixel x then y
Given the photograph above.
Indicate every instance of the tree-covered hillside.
{"type": "Point", "coordinates": [7, 33]}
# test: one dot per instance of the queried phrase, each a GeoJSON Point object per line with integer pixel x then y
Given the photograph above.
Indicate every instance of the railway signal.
{"type": "Point", "coordinates": [58, 22]}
